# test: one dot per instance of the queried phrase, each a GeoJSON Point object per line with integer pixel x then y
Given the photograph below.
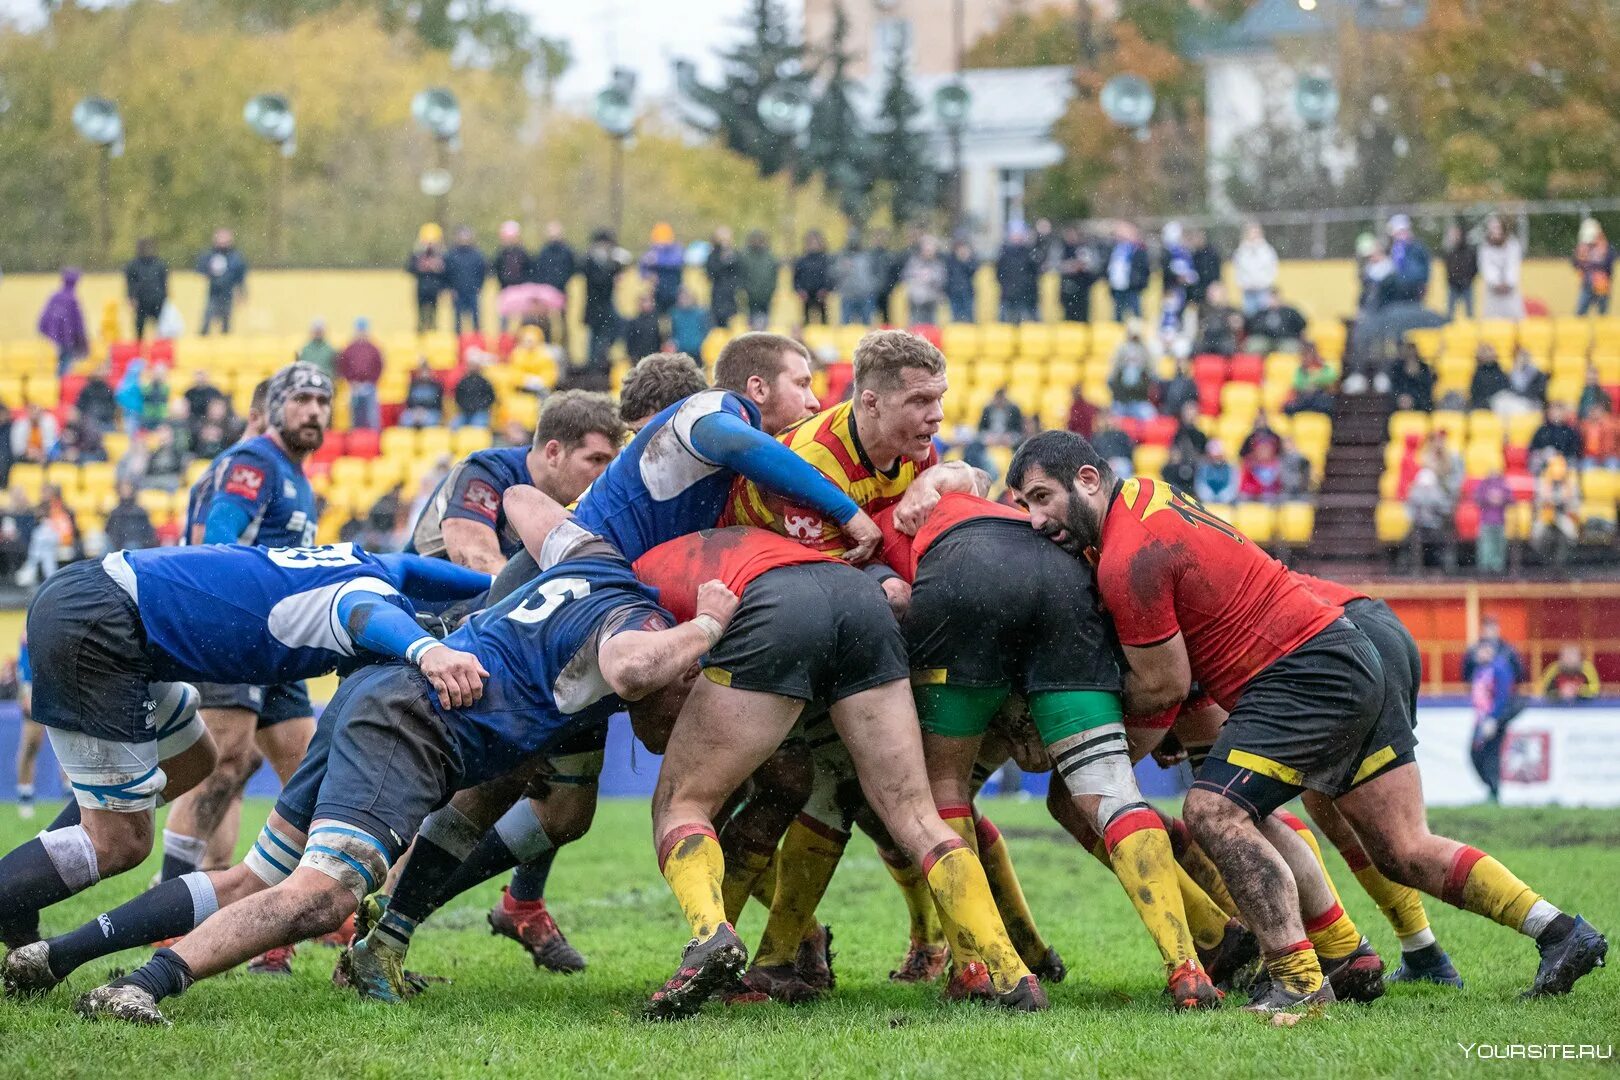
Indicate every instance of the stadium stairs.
{"type": "Point", "coordinates": [1345, 537]}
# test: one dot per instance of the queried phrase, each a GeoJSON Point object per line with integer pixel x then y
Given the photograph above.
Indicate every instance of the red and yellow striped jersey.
{"type": "Point", "coordinates": [827, 440]}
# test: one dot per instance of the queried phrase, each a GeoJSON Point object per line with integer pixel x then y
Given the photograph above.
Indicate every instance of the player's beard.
{"type": "Point", "coordinates": [1082, 526]}
{"type": "Point", "coordinates": [306, 438]}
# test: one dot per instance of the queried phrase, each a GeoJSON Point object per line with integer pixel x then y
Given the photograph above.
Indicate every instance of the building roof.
{"type": "Point", "coordinates": [1270, 21]}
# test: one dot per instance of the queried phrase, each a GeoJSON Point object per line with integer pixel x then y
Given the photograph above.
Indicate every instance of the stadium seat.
{"type": "Point", "coordinates": [848, 337]}
{"type": "Point", "coordinates": [961, 342]}
{"type": "Point", "coordinates": [1519, 516]}
{"type": "Point", "coordinates": [1408, 422]}
{"type": "Point", "coordinates": [1313, 430]}
{"type": "Point", "coordinates": [1599, 511]}
{"type": "Point", "coordinates": [1454, 424]}
{"type": "Point", "coordinates": [399, 442]}
{"type": "Point", "coordinates": [1601, 485]}
{"type": "Point", "coordinates": [348, 472]}
{"type": "Point", "coordinates": [433, 442]}
{"type": "Point", "coordinates": [1071, 340]}
{"type": "Point", "coordinates": [1522, 428]}
{"type": "Point", "coordinates": [1257, 521]}
{"type": "Point", "coordinates": [1209, 367]}
{"type": "Point", "coordinates": [1224, 511]}
{"type": "Point", "coordinates": [1247, 368]}
{"type": "Point", "coordinates": [1148, 460]}
{"type": "Point", "coordinates": [1241, 400]}
{"type": "Point", "coordinates": [1427, 341]}
{"type": "Point", "coordinates": [1483, 458]}
{"type": "Point", "coordinates": [997, 340]}
{"type": "Point", "coordinates": [1035, 340]}
{"type": "Point", "coordinates": [1105, 338]}
{"type": "Point", "coordinates": [1391, 522]}
{"type": "Point", "coordinates": [469, 440]}
{"type": "Point", "coordinates": [1485, 426]}
{"type": "Point", "coordinates": [1572, 332]}
{"type": "Point", "coordinates": [1295, 522]}
{"type": "Point", "coordinates": [1467, 521]}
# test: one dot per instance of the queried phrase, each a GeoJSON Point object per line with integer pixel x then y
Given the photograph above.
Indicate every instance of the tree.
{"type": "Point", "coordinates": [836, 144]}
{"type": "Point", "coordinates": [771, 54]}
{"type": "Point", "coordinates": [902, 159]}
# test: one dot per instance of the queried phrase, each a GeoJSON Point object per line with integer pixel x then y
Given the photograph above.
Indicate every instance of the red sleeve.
{"type": "Point", "coordinates": [896, 551]}
{"type": "Point", "coordinates": [1137, 580]}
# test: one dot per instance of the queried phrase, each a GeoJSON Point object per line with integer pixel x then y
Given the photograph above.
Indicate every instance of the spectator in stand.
{"type": "Point", "coordinates": [1179, 391]}
{"type": "Point", "coordinates": [1127, 271]}
{"type": "Point", "coordinates": [1206, 265]}
{"type": "Point", "coordinates": [555, 264]}
{"type": "Point", "coordinates": [1180, 469]}
{"type": "Point", "coordinates": [1219, 324]}
{"type": "Point", "coordinates": [201, 394]}
{"type": "Point", "coordinates": [1493, 496]}
{"type": "Point", "coordinates": [1489, 379]}
{"type": "Point", "coordinates": [513, 433]}
{"type": "Point", "coordinates": [475, 394]}
{"type": "Point", "coordinates": [1594, 261]}
{"type": "Point", "coordinates": [1411, 380]}
{"type": "Point", "coordinates": [813, 278]}
{"type": "Point", "coordinates": [384, 524]}
{"type": "Point", "coordinates": [96, 401]}
{"type": "Point", "coordinates": [1115, 446]}
{"type": "Point", "coordinates": [1446, 462]}
{"type": "Point", "coordinates": [1492, 692]}
{"type": "Point", "coordinates": [961, 286]}
{"type": "Point", "coordinates": [1527, 386]}
{"type": "Point", "coordinates": [426, 265]}
{"type": "Point", "coordinates": [724, 267]}
{"type": "Point", "coordinates": [1592, 394]}
{"type": "Point", "coordinates": [1046, 241]}
{"type": "Point", "coordinates": [1018, 274]}
{"type": "Point", "coordinates": [54, 537]}
{"type": "Point", "coordinates": [663, 265]}
{"type": "Point", "coordinates": [513, 264]}
{"type": "Point", "coordinates": [1600, 433]}
{"type": "Point", "coordinates": [226, 273]}
{"type": "Point", "coordinates": [689, 324]}
{"type": "Point", "coordinates": [1556, 524]}
{"type": "Point", "coordinates": [130, 396]}
{"type": "Point", "coordinates": [62, 321]}
{"type": "Point", "coordinates": [643, 334]}
{"type": "Point", "coordinates": [1254, 264]}
{"type": "Point", "coordinates": [1260, 436]}
{"type": "Point", "coordinates": [1276, 327]}
{"type": "Point", "coordinates": [33, 434]}
{"type": "Point", "coordinates": [16, 529]}
{"type": "Point", "coordinates": [154, 397]}
{"type": "Point", "coordinates": [1179, 277]}
{"type": "Point", "coordinates": [604, 262]}
{"type": "Point", "coordinates": [924, 278]}
{"type": "Point", "coordinates": [1130, 380]}
{"type": "Point", "coordinates": [129, 526]}
{"type": "Point", "coordinates": [1462, 268]}
{"type": "Point", "coordinates": [1082, 414]}
{"type": "Point", "coordinates": [211, 437]}
{"type": "Point", "coordinates": [1078, 267]}
{"type": "Point", "coordinates": [1189, 437]}
{"type": "Point", "coordinates": [361, 365]}
{"type": "Point", "coordinates": [465, 270]}
{"type": "Point", "coordinates": [1413, 458]}
{"type": "Point", "coordinates": [1501, 260]}
{"type": "Point", "coordinates": [891, 262]}
{"type": "Point", "coordinates": [1570, 678]}
{"type": "Point", "coordinates": [1296, 472]}
{"type": "Point", "coordinates": [1217, 480]}
{"type": "Point", "coordinates": [318, 351]}
{"type": "Point", "coordinates": [1407, 280]}
{"type": "Point", "coordinates": [760, 271]}
{"type": "Point", "coordinates": [858, 272]}
{"type": "Point", "coordinates": [1555, 436]}
{"type": "Point", "coordinates": [424, 399]}
{"type": "Point", "coordinates": [166, 461]}
{"type": "Point", "coordinates": [77, 442]}
{"type": "Point", "coordinates": [1430, 510]}
{"type": "Point", "coordinates": [1001, 423]}
{"type": "Point", "coordinates": [1315, 381]}
{"type": "Point", "coordinates": [146, 284]}
{"type": "Point", "coordinates": [1260, 480]}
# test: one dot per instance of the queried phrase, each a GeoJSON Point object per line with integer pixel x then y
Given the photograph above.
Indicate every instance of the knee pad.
{"type": "Point", "coordinates": [520, 830]}
{"type": "Point", "coordinates": [828, 802]}
{"type": "Point", "coordinates": [73, 856]}
{"type": "Point", "coordinates": [273, 855]}
{"type": "Point", "coordinates": [348, 855]}
{"type": "Point", "coordinates": [178, 727]}
{"type": "Point", "coordinates": [449, 829]}
{"type": "Point", "coordinates": [576, 769]}
{"type": "Point", "coordinates": [1098, 762]}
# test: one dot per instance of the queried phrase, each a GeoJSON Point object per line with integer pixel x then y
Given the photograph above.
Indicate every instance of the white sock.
{"type": "Point", "coordinates": [1540, 917]}
{"type": "Point", "coordinates": [1420, 940]}
{"type": "Point", "coordinates": [25, 792]}
{"type": "Point", "coordinates": [73, 855]}
{"type": "Point", "coordinates": [184, 849]}
{"type": "Point", "coordinates": [520, 830]}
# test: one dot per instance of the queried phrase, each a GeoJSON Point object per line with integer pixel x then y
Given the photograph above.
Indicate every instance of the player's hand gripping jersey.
{"type": "Point", "coordinates": [472, 491]}
{"type": "Point", "coordinates": [1168, 565]}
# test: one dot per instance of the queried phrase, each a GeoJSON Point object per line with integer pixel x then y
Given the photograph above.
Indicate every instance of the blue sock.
{"type": "Point", "coordinates": [163, 911]}
{"type": "Point", "coordinates": [420, 888]}
{"type": "Point", "coordinates": [529, 883]}
{"type": "Point", "coordinates": [66, 818]}
{"type": "Point", "coordinates": [489, 858]}
{"type": "Point", "coordinates": [29, 882]}
{"type": "Point", "coordinates": [165, 975]}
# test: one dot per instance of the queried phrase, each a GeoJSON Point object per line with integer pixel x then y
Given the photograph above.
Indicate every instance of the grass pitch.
{"type": "Point", "coordinates": [500, 1017]}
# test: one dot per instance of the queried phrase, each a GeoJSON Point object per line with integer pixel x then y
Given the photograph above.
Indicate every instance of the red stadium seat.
{"type": "Point", "coordinates": [1208, 366]}
{"type": "Point", "coordinates": [929, 333]}
{"type": "Point", "coordinates": [1516, 458]}
{"type": "Point", "coordinates": [1467, 521]}
{"type": "Point", "coordinates": [1209, 396]}
{"type": "Point", "coordinates": [1130, 426]}
{"type": "Point", "coordinates": [505, 345]}
{"type": "Point", "coordinates": [71, 385]}
{"type": "Point", "coordinates": [389, 414]}
{"type": "Point", "coordinates": [331, 448]}
{"type": "Point", "coordinates": [161, 350]}
{"type": "Point", "coordinates": [363, 443]}
{"type": "Point", "coordinates": [1247, 367]}
{"type": "Point", "coordinates": [470, 341]}
{"type": "Point", "coordinates": [839, 376]}
{"type": "Point", "coordinates": [1159, 431]}
{"type": "Point", "coordinates": [314, 467]}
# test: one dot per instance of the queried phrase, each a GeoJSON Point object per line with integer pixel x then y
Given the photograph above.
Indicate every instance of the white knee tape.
{"type": "Point", "coordinates": [73, 855]}
{"type": "Point", "coordinates": [575, 769]}
{"type": "Point", "coordinates": [1097, 762]}
{"type": "Point", "coordinates": [348, 855]}
{"type": "Point", "coordinates": [274, 855]}
{"type": "Point", "coordinates": [178, 727]}
{"type": "Point", "coordinates": [520, 830]}
{"type": "Point", "coordinates": [833, 769]}
{"type": "Point", "coordinates": [448, 828]}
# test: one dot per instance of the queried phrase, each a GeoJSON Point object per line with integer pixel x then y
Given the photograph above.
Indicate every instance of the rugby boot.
{"type": "Point", "coordinates": [374, 974]}
{"type": "Point", "coordinates": [1190, 987]}
{"type": "Point", "coordinates": [1050, 968]}
{"type": "Point", "coordinates": [923, 963]}
{"type": "Point", "coordinates": [26, 972]}
{"type": "Point", "coordinates": [130, 1004]}
{"type": "Point", "coordinates": [706, 966]}
{"type": "Point", "coordinates": [1429, 964]}
{"type": "Point", "coordinates": [815, 957]}
{"type": "Point", "coordinates": [1026, 996]}
{"type": "Point", "coordinates": [277, 961]}
{"type": "Point", "coordinates": [528, 923]}
{"type": "Point", "coordinates": [1358, 976]}
{"type": "Point", "coordinates": [340, 938]}
{"type": "Point", "coordinates": [1236, 950]}
{"type": "Point", "coordinates": [781, 982]}
{"type": "Point", "coordinates": [970, 982]}
{"type": "Point", "coordinates": [1273, 997]}
{"type": "Point", "coordinates": [1567, 959]}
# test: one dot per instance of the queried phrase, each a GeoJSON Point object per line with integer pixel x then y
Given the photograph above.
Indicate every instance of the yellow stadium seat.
{"type": "Point", "coordinates": [348, 472]}
{"type": "Point", "coordinates": [1601, 485]}
{"type": "Point", "coordinates": [523, 408]}
{"type": "Point", "coordinates": [29, 477]}
{"type": "Point", "coordinates": [157, 504]}
{"type": "Point", "coordinates": [821, 339]}
{"type": "Point", "coordinates": [99, 477]}
{"type": "Point", "coordinates": [1485, 426]}
{"type": "Point", "coordinates": [1461, 334]}
{"type": "Point", "coordinates": [398, 442]}
{"type": "Point", "coordinates": [433, 442]}
{"type": "Point", "coordinates": [1027, 371]}
{"type": "Point", "coordinates": [1026, 395]}
{"type": "Point", "coordinates": [1606, 333]}
{"type": "Point", "coordinates": [1257, 521]}
{"type": "Point", "coordinates": [1565, 390]}
{"type": "Point", "coordinates": [1055, 402]}
{"type": "Point", "coordinates": [1105, 338]}
{"type": "Point", "coordinates": [1536, 334]}
{"type": "Point", "coordinates": [116, 443]}
{"type": "Point", "coordinates": [383, 473]}
{"type": "Point", "coordinates": [1313, 429]}
{"type": "Point", "coordinates": [1273, 396]}
{"type": "Point", "coordinates": [1240, 399]}
{"type": "Point", "coordinates": [1224, 511]}
{"type": "Point", "coordinates": [1295, 522]}
{"type": "Point", "coordinates": [1071, 340]}
{"type": "Point", "coordinates": [11, 391]}
{"type": "Point", "coordinates": [717, 339]}
{"type": "Point", "coordinates": [1390, 479]}
{"type": "Point", "coordinates": [847, 338]}
{"type": "Point", "coordinates": [1149, 460]}
{"type": "Point", "coordinates": [1521, 428]}
{"type": "Point", "coordinates": [1000, 457]}
{"type": "Point", "coordinates": [42, 390]}
{"type": "Point", "coordinates": [470, 440]}
{"type": "Point", "coordinates": [990, 373]}
{"type": "Point", "coordinates": [1232, 430]}
{"type": "Point", "coordinates": [1482, 458]}
{"type": "Point", "coordinates": [997, 340]}
{"type": "Point", "coordinates": [1427, 341]}
{"type": "Point", "coordinates": [1573, 333]}
{"type": "Point", "coordinates": [960, 342]}
{"type": "Point", "coordinates": [1453, 373]}
{"type": "Point", "coordinates": [1454, 424]}
{"type": "Point", "coordinates": [1065, 370]}
{"type": "Point", "coordinates": [1519, 515]}
{"type": "Point", "coordinates": [62, 476]}
{"type": "Point", "coordinates": [1036, 341]}
{"type": "Point", "coordinates": [1408, 422]}
{"type": "Point", "coordinates": [1568, 366]}
{"type": "Point", "coordinates": [1096, 391]}
{"type": "Point", "coordinates": [1392, 522]}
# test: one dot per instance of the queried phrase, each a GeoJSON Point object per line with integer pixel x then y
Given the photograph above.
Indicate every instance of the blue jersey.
{"type": "Point", "coordinates": [539, 646]}
{"type": "Point", "coordinates": [229, 613]}
{"type": "Point", "coordinates": [472, 491]}
{"type": "Point", "coordinates": [660, 487]}
{"type": "Point", "coordinates": [201, 495]}
{"type": "Point", "coordinates": [273, 493]}
{"type": "Point", "coordinates": [25, 666]}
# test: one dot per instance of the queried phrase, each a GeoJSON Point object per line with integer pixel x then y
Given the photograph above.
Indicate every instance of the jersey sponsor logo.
{"type": "Point", "coordinates": [245, 481]}
{"type": "Point", "coordinates": [801, 526]}
{"type": "Point", "coordinates": [307, 558]}
{"type": "Point", "coordinates": [481, 499]}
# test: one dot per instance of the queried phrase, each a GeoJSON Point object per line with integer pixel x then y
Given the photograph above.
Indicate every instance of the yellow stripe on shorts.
{"type": "Point", "coordinates": [1373, 762]}
{"type": "Point", "coordinates": [930, 676]}
{"type": "Point", "coordinates": [718, 676]}
{"type": "Point", "coordinates": [1266, 767]}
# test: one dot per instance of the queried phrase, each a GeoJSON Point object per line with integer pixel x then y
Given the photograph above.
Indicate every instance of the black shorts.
{"type": "Point", "coordinates": [997, 604]}
{"type": "Point", "coordinates": [1394, 738]}
{"type": "Point", "coordinates": [817, 632]}
{"type": "Point", "coordinates": [89, 653]}
{"type": "Point", "coordinates": [382, 759]}
{"type": "Point", "coordinates": [271, 704]}
{"type": "Point", "coordinates": [1304, 722]}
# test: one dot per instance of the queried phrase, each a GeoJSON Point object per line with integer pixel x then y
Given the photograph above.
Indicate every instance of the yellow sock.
{"type": "Point", "coordinates": [960, 819]}
{"type": "Point", "coordinates": [1139, 852]}
{"type": "Point", "coordinates": [1309, 837]}
{"type": "Point", "coordinates": [691, 862]}
{"type": "Point", "coordinates": [764, 889]}
{"type": "Point", "coordinates": [1401, 905]}
{"type": "Point", "coordinates": [742, 871]}
{"type": "Point", "coordinates": [1296, 968]}
{"type": "Point", "coordinates": [1480, 884]}
{"type": "Point", "coordinates": [925, 928]}
{"type": "Point", "coordinates": [1332, 934]}
{"type": "Point", "coordinates": [1201, 868]}
{"type": "Point", "coordinates": [969, 913]}
{"type": "Point", "coordinates": [1009, 894]}
{"type": "Point", "coordinates": [804, 865]}
{"type": "Point", "coordinates": [1205, 918]}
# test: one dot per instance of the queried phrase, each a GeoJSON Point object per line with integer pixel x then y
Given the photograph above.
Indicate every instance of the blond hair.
{"type": "Point", "coordinates": [882, 357]}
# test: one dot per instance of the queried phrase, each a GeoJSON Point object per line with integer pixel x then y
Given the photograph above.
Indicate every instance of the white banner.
{"type": "Point", "coordinates": [1552, 757]}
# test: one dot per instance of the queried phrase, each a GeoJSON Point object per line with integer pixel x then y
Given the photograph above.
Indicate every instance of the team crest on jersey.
{"type": "Point", "coordinates": [802, 526]}
{"type": "Point", "coordinates": [245, 481]}
{"type": "Point", "coordinates": [481, 499]}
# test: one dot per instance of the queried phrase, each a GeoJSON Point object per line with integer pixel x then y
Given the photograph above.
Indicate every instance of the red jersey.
{"type": "Point", "coordinates": [734, 556]}
{"type": "Point", "coordinates": [1167, 565]}
{"type": "Point", "coordinates": [1329, 592]}
{"type": "Point", "coordinates": [903, 552]}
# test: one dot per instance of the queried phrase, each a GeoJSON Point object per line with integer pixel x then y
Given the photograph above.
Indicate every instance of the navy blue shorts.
{"type": "Point", "coordinates": [89, 655]}
{"type": "Point", "coordinates": [271, 704]}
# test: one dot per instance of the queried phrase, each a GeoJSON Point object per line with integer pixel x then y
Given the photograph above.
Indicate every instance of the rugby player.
{"type": "Point", "coordinates": [118, 640]}
{"type": "Point", "coordinates": [809, 629]}
{"type": "Point", "coordinates": [1304, 691]}
{"type": "Point", "coordinates": [563, 652]}
{"type": "Point", "coordinates": [259, 496]}
{"type": "Point", "coordinates": [30, 737]}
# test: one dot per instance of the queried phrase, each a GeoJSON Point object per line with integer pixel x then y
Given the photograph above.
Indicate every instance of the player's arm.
{"type": "Point", "coordinates": [244, 491]}
{"type": "Point", "coordinates": [472, 545]}
{"type": "Point", "coordinates": [924, 492]}
{"type": "Point", "coordinates": [1159, 676]}
{"type": "Point", "coordinates": [471, 514]}
{"type": "Point", "coordinates": [379, 626]}
{"type": "Point", "coordinates": [636, 663]}
{"type": "Point", "coordinates": [895, 588]}
{"type": "Point", "coordinates": [433, 580]}
{"type": "Point", "coordinates": [729, 440]}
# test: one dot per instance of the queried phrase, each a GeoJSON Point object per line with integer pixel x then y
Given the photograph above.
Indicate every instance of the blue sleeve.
{"type": "Point", "coordinates": [731, 441]}
{"type": "Point", "coordinates": [433, 580]}
{"type": "Point", "coordinates": [228, 519]}
{"type": "Point", "coordinates": [378, 626]}
{"type": "Point", "coordinates": [245, 486]}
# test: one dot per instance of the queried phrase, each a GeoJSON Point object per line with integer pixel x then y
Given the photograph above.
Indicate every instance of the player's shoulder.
{"type": "Point", "coordinates": [500, 459]}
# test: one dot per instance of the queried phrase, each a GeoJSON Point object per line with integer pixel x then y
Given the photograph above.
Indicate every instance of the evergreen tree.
{"type": "Point", "coordinates": [837, 146]}
{"type": "Point", "coordinates": [902, 157]}
{"type": "Point", "coordinates": [771, 54]}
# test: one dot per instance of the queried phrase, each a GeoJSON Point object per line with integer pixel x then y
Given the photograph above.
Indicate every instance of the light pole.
{"type": "Point", "coordinates": [784, 108]}
{"type": "Point", "coordinates": [439, 114]}
{"type": "Point", "coordinates": [952, 103]}
{"type": "Point", "coordinates": [1127, 100]}
{"type": "Point", "coordinates": [271, 118]}
{"type": "Point", "coordinates": [616, 115]}
{"type": "Point", "coordinates": [98, 121]}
